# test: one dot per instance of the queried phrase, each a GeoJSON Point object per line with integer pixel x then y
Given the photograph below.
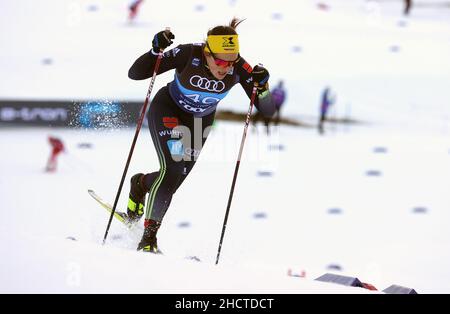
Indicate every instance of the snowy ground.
{"type": "Point", "coordinates": [400, 92]}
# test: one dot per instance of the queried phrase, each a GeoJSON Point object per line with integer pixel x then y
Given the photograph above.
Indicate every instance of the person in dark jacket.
{"type": "Point", "coordinates": [408, 4]}
{"type": "Point", "coordinates": [326, 101]}
{"type": "Point", "coordinates": [278, 98]}
{"type": "Point", "coordinates": [181, 114]}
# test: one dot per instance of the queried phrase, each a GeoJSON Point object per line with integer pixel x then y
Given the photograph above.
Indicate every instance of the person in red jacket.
{"type": "Point", "coordinates": [57, 148]}
{"type": "Point", "coordinates": [134, 8]}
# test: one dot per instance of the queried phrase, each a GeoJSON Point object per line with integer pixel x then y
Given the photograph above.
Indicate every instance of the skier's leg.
{"type": "Point", "coordinates": [322, 120]}
{"type": "Point", "coordinates": [141, 184]}
{"type": "Point", "coordinates": [194, 153]}
{"type": "Point", "coordinates": [169, 148]}
{"type": "Point", "coordinates": [139, 187]}
{"type": "Point", "coordinates": [277, 117]}
{"type": "Point", "coordinates": [267, 124]}
{"type": "Point", "coordinates": [51, 163]}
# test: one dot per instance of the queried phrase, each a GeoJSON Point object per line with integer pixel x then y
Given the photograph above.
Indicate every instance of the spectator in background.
{"type": "Point", "coordinates": [278, 97]}
{"type": "Point", "coordinates": [326, 101]}
{"type": "Point", "coordinates": [57, 147]}
{"type": "Point", "coordinates": [133, 9]}
{"type": "Point", "coordinates": [408, 4]}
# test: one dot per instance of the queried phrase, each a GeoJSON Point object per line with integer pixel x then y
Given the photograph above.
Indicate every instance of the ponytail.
{"type": "Point", "coordinates": [230, 29]}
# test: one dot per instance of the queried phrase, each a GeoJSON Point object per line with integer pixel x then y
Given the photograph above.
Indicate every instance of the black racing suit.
{"type": "Point", "coordinates": [181, 113]}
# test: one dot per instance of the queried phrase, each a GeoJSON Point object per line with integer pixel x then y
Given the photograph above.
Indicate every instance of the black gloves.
{"type": "Point", "coordinates": [260, 77]}
{"type": "Point", "coordinates": [162, 40]}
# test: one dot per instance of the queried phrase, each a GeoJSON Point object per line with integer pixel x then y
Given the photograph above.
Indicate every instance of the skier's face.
{"type": "Point", "coordinates": [221, 63]}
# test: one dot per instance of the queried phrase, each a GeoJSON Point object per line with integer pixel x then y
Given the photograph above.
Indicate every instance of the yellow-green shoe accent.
{"type": "Point", "coordinates": [133, 205]}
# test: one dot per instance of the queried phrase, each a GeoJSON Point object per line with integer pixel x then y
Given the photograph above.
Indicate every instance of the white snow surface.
{"type": "Point", "coordinates": [402, 98]}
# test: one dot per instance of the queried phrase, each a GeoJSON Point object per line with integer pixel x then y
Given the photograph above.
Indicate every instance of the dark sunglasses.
{"type": "Point", "coordinates": [220, 62]}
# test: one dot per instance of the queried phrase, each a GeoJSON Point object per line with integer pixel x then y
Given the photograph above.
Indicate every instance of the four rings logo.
{"type": "Point", "coordinates": [209, 85]}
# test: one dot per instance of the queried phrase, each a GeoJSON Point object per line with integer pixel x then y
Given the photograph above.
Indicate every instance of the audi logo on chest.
{"type": "Point", "coordinates": [205, 84]}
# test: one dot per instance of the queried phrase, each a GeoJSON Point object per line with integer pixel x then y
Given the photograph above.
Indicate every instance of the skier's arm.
{"type": "Point", "coordinates": [144, 66]}
{"type": "Point", "coordinates": [247, 76]}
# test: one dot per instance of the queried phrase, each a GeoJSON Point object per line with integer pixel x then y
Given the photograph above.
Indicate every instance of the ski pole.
{"type": "Point", "coordinates": [238, 162]}
{"type": "Point", "coordinates": [138, 128]}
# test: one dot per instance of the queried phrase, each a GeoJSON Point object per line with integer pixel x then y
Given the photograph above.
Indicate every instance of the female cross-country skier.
{"type": "Point", "coordinates": [204, 74]}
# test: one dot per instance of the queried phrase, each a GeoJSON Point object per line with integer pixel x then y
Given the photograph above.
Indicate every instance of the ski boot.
{"type": "Point", "coordinates": [149, 243]}
{"type": "Point", "coordinates": [136, 200]}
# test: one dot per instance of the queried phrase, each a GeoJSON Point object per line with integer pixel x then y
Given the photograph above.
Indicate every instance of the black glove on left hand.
{"type": "Point", "coordinates": [260, 77]}
{"type": "Point", "coordinates": [162, 40]}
